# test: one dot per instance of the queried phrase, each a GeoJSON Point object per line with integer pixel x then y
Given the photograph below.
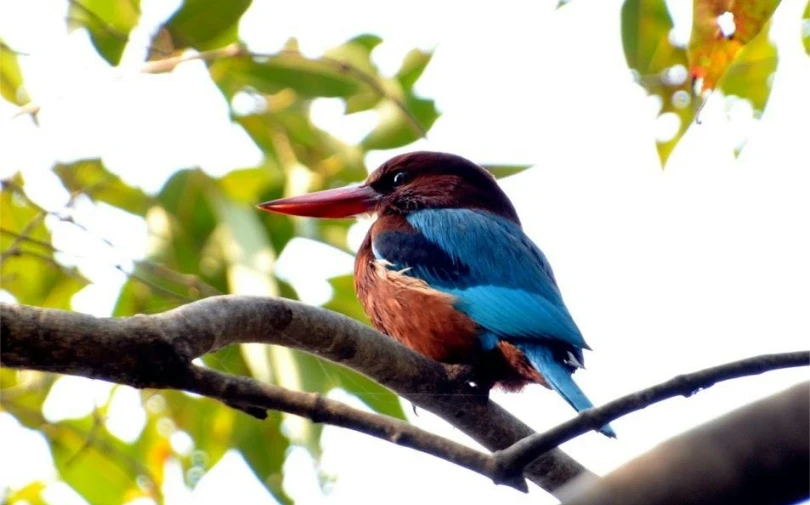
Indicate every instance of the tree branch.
{"type": "Point", "coordinates": [512, 461]}
{"type": "Point", "coordinates": [156, 352]}
{"type": "Point", "coordinates": [251, 394]}
{"type": "Point", "coordinates": [755, 455]}
{"type": "Point", "coordinates": [79, 344]}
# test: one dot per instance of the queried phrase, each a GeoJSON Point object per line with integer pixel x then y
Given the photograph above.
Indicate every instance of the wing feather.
{"type": "Point", "coordinates": [499, 277]}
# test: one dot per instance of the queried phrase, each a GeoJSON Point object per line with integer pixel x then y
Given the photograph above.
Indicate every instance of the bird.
{"type": "Point", "coordinates": [447, 270]}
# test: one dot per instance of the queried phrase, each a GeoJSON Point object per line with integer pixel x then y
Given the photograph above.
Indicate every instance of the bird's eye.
{"type": "Point", "coordinates": [400, 178]}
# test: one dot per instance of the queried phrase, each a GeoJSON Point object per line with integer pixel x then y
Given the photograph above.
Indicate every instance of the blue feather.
{"type": "Point", "coordinates": [559, 378]}
{"type": "Point", "coordinates": [499, 278]}
{"type": "Point", "coordinates": [509, 286]}
{"type": "Point", "coordinates": [516, 313]}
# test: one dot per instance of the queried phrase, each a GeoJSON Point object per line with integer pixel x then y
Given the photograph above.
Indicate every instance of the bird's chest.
{"type": "Point", "coordinates": [421, 318]}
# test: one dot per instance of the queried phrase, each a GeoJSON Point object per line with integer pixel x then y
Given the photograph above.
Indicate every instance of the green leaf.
{"type": "Point", "coordinates": [216, 428]}
{"type": "Point", "coordinates": [362, 101]}
{"type": "Point", "coordinates": [264, 447]}
{"type": "Point", "coordinates": [749, 76]}
{"type": "Point", "coordinates": [11, 81]}
{"type": "Point", "coordinates": [205, 25]}
{"type": "Point", "coordinates": [317, 375]}
{"type": "Point", "coordinates": [147, 292]}
{"type": "Point", "coordinates": [311, 78]}
{"type": "Point", "coordinates": [87, 457]}
{"type": "Point", "coordinates": [412, 67]}
{"type": "Point", "coordinates": [501, 171]}
{"type": "Point", "coordinates": [210, 423]}
{"type": "Point", "coordinates": [645, 28]}
{"type": "Point", "coordinates": [248, 251]}
{"type": "Point", "coordinates": [395, 129]}
{"type": "Point", "coordinates": [186, 199]}
{"type": "Point", "coordinates": [109, 23]}
{"type": "Point", "coordinates": [29, 270]}
{"type": "Point", "coordinates": [39, 282]}
{"type": "Point", "coordinates": [333, 232]}
{"type": "Point", "coordinates": [82, 466]}
{"type": "Point", "coordinates": [249, 184]}
{"type": "Point", "coordinates": [20, 215]}
{"type": "Point", "coordinates": [322, 375]}
{"type": "Point", "coordinates": [93, 179]}
{"type": "Point", "coordinates": [344, 299]}
{"type": "Point", "coordinates": [357, 52]}
{"type": "Point", "coordinates": [660, 66]}
{"type": "Point", "coordinates": [256, 185]}
{"type": "Point", "coordinates": [182, 225]}
{"type": "Point", "coordinates": [376, 396]}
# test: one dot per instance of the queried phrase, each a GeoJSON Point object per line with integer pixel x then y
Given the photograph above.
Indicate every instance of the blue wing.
{"type": "Point", "coordinates": [501, 280]}
{"type": "Point", "coordinates": [499, 277]}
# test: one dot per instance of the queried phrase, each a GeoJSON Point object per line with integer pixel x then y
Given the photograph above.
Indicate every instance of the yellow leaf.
{"type": "Point", "coordinates": [720, 29]}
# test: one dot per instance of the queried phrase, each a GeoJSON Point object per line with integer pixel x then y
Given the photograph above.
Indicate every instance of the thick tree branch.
{"type": "Point", "coordinates": [513, 460]}
{"type": "Point", "coordinates": [756, 455]}
{"type": "Point", "coordinates": [155, 352]}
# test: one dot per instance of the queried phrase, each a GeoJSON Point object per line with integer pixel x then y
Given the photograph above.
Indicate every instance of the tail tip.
{"type": "Point", "coordinates": [607, 431]}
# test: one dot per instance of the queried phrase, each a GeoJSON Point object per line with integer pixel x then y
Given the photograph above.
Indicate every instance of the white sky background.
{"type": "Point", "coordinates": [665, 271]}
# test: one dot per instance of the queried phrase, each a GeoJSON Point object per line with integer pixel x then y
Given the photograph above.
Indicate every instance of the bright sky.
{"type": "Point", "coordinates": [665, 271]}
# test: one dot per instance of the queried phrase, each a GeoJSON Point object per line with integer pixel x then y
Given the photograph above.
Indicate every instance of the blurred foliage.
{"type": "Point", "coordinates": [679, 76]}
{"type": "Point", "coordinates": [712, 47]}
{"type": "Point", "coordinates": [10, 77]}
{"type": "Point", "coordinates": [107, 21]}
{"type": "Point", "coordinates": [806, 28]}
{"type": "Point", "coordinates": [206, 237]}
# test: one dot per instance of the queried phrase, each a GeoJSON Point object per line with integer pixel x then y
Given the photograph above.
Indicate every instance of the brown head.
{"type": "Point", "coordinates": [403, 184]}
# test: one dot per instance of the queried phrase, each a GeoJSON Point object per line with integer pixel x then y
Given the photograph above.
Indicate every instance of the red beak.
{"type": "Point", "coordinates": [335, 203]}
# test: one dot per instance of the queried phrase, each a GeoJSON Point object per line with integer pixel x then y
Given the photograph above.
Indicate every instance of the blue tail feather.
{"type": "Point", "coordinates": [559, 378]}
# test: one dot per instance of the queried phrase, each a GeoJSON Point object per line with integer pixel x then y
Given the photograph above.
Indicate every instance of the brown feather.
{"type": "Point", "coordinates": [424, 319]}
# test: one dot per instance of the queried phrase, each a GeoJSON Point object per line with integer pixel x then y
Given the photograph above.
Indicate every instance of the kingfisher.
{"type": "Point", "coordinates": [447, 270]}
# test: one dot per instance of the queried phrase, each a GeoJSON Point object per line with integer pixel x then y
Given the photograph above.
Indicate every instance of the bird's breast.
{"type": "Point", "coordinates": [409, 310]}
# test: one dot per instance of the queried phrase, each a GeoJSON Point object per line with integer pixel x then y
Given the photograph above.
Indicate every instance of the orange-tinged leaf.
{"type": "Point", "coordinates": [156, 458]}
{"type": "Point", "coordinates": [720, 29]}
{"type": "Point", "coordinates": [749, 76]}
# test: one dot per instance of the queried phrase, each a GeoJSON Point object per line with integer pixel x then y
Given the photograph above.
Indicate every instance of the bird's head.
{"type": "Point", "coordinates": [406, 183]}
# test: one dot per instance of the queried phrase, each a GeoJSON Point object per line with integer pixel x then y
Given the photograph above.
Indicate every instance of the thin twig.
{"type": "Point", "coordinates": [241, 392]}
{"type": "Point", "coordinates": [36, 220]}
{"type": "Point", "coordinates": [187, 280]}
{"type": "Point", "coordinates": [91, 437]}
{"type": "Point", "coordinates": [512, 461]}
{"type": "Point", "coordinates": [72, 272]}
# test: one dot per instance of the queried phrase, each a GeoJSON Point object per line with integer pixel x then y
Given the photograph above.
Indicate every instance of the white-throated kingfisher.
{"type": "Point", "coordinates": [447, 270]}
